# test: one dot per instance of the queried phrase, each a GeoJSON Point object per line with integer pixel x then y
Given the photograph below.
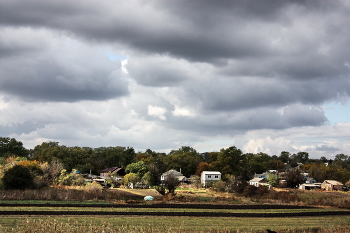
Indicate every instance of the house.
{"type": "Point", "coordinates": [263, 175]}
{"type": "Point", "coordinates": [332, 185]}
{"type": "Point", "coordinates": [120, 171]}
{"type": "Point", "coordinates": [309, 186]}
{"type": "Point", "coordinates": [208, 177]}
{"type": "Point", "coordinates": [174, 173]}
{"type": "Point", "coordinates": [256, 181]}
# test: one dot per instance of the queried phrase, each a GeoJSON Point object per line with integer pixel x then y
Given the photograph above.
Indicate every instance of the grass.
{"type": "Point", "coordinates": [334, 201]}
{"type": "Point", "coordinates": [128, 209]}
{"type": "Point", "coordinates": [52, 202]}
{"type": "Point", "coordinates": [173, 224]}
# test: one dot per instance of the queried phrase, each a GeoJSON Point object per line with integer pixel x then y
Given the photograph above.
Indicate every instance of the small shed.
{"type": "Point", "coordinates": [330, 185]}
{"type": "Point", "coordinates": [208, 177]}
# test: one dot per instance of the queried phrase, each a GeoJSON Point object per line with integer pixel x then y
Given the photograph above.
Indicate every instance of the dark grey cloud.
{"type": "Point", "coordinates": [47, 67]}
{"type": "Point", "coordinates": [327, 148]}
{"type": "Point", "coordinates": [20, 128]}
{"type": "Point", "coordinates": [49, 81]}
{"type": "Point", "coordinates": [194, 67]}
{"type": "Point", "coordinates": [199, 30]}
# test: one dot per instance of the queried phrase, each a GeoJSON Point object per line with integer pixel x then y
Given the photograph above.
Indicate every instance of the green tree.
{"type": "Point", "coordinates": [140, 168]}
{"type": "Point", "coordinates": [185, 159]}
{"type": "Point", "coordinates": [301, 157]}
{"type": "Point", "coordinates": [252, 164]}
{"type": "Point", "coordinates": [229, 161]}
{"type": "Point", "coordinates": [131, 178]}
{"type": "Point", "coordinates": [147, 179]}
{"type": "Point", "coordinates": [10, 146]}
{"type": "Point", "coordinates": [273, 180]}
{"type": "Point", "coordinates": [284, 157]}
{"type": "Point", "coordinates": [18, 177]}
{"type": "Point", "coordinates": [342, 160]}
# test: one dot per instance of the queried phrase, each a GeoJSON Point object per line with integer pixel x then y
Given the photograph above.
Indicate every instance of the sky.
{"type": "Point", "coordinates": [264, 76]}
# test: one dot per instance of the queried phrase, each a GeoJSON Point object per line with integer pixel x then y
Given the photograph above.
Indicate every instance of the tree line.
{"type": "Point", "coordinates": [229, 161]}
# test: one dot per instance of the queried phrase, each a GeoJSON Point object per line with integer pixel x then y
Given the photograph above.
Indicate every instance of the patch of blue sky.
{"type": "Point", "coordinates": [337, 112]}
{"type": "Point", "coordinates": [113, 56]}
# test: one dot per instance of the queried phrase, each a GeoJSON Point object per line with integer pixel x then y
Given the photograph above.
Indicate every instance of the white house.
{"type": "Point", "coordinates": [208, 177]}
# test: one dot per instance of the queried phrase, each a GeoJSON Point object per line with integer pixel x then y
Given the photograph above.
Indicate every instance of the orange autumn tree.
{"type": "Point", "coordinates": [203, 166]}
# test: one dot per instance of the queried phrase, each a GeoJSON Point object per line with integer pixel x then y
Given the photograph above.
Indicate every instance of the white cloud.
{"type": "Point", "coordinates": [157, 112]}
{"type": "Point", "coordinates": [183, 112]}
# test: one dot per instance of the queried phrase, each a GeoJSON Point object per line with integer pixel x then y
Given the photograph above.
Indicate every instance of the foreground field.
{"type": "Point", "coordinates": [125, 211]}
{"type": "Point", "coordinates": [142, 217]}
{"type": "Point", "coordinates": [92, 224]}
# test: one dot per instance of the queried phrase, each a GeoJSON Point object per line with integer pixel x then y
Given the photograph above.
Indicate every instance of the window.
{"type": "Point", "coordinates": [209, 176]}
{"type": "Point", "coordinates": [216, 177]}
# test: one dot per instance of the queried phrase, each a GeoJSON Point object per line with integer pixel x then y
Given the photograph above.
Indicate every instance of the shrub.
{"type": "Point", "coordinates": [219, 186]}
{"type": "Point", "coordinates": [72, 178]}
{"type": "Point", "coordinates": [262, 190]}
{"type": "Point", "coordinates": [93, 187]}
{"type": "Point", "coordinates": [237, 186]}
{"type": "Point", "coordinates": [18, 177]}
{"type": "Point", "coordinates": [250, 191]}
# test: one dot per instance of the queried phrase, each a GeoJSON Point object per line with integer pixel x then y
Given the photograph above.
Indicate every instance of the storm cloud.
{"type": "Point", "coordinates": [198, 71]}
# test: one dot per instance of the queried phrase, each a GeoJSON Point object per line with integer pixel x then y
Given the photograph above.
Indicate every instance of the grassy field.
{"type": "Point", "coordinates": [173, 224]}
{"type": "Point", "coordinates": [155, 224]}
{"type": "Point", "coordinates": [150, 210]}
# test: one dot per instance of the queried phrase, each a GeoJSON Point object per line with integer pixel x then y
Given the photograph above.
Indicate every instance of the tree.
{"type": "Point", "coordinates": [131, 178]}
{"type": "Point", "coordinates": [301, 157]}
{"type": "Point", "coordinates": [185, 159]}
{"type": "Point", "coordinates": [10, 146]}
{"type": "Point", "coordinates": [203, 166]}
{"type": "Point", "coordinates": [294, 177]}
{"type": "Point", "coordinates": [147, 179]}
{"type": "Point", "coordinates": [272, 178]}
{"type": "Point", "coordinates": [342, 160]}
{"type": "Point", "coordinates": [171, 183]}
{"type": "Point", "coordinates": [276, 165]}
{"type": "Point", "coordinates": [51, 171]}
{"type": "Point", "coordinates": [18, 177]}
{"type": "Point", "coordinates": [284, 157]}
{"type": "Point", "coordinates": [140, 168]}
{"type": "Point", "coordinates": [229, 161]}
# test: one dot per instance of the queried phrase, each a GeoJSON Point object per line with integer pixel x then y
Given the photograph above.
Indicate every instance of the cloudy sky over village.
{"type": "Point", "coordinates": [264, 76]}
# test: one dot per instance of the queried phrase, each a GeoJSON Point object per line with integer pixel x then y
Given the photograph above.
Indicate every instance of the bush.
{"type": "Point", "coordinates": [18, 177]}
{"type": "Point", "coordinates": [250, 191]}
{"type": "Point", "coordinates": [72, 178]}
{"type": "Point", "coordinates": [238, 186]}
{"type": "Point", "coordinates": [219, 186]}
{"type": "Point", "coordinates": [93, 187]}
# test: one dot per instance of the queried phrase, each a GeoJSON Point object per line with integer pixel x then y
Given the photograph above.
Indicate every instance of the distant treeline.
{"type": "Point", "coordinates": [229, 161]}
